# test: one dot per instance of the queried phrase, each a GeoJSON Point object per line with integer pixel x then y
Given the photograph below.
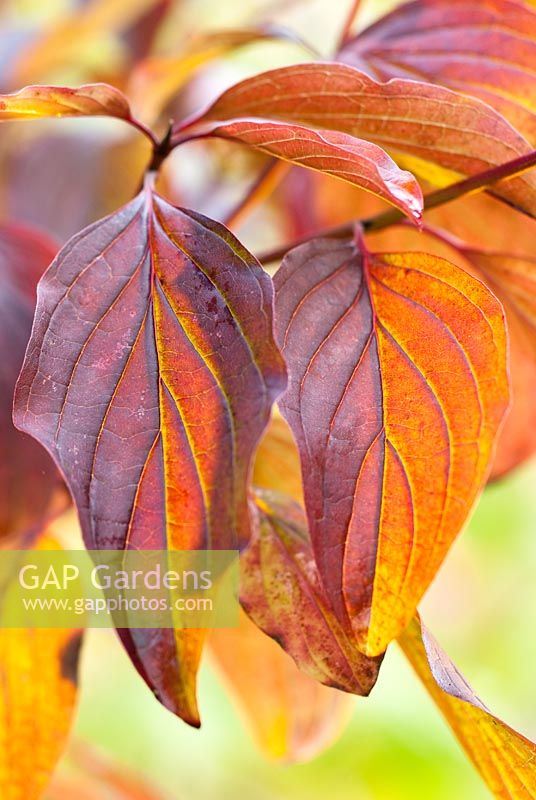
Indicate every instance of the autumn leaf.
{"type": "Point", "coordinates": [24, 256]}
{"type": "Point", "coordinates": [277, 463]}
{"type": "Point", "coordinates": [486, 50]}
{"type": "Point", "coordinates": [437, 133]}
{"type": "Point", "coordinates": [293, 717]}
{"type": "Point", "coordinates": [354, 160]}
{"type": "Point", "coordinates": [281, 591]}
{"type": "Point", "coordinates": [149, 378]}
{"type": "Point", "coordinates": [505, 759]}
{"type": "Point", "coordinates": [94, 99]}
{"type": "Point", "coordinates": [397, 387]}
{"type": "Point", "coordinates": [513, 278]}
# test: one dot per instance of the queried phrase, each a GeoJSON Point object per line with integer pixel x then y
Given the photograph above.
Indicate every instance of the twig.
{"type": "Point", "coordinates": [438, 198]}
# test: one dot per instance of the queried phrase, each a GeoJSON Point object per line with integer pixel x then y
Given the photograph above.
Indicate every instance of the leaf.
{"type": "Point", "coordinates": [149, 378]}
{"type": "Point", "coordinates": [439, 134]}
{"type": "Point", "coordinates": [292, 717]}
{"type": "Point", "coordinates": [24, 255]}
{"type": "Point", "coordinates": [397, 387]}
{"type": "Point", "coordinates": [513, 279]}
{"type": "Point", "coordinates": [37, 695]}
{"type": "Point", "coordinates": [38, 688]}
{"type": "Point", "coordinates": [486, 50]}
{"type": "Point", "coordinates": [94, 99]}
{"type": "Point", "coordinates": [277, 463]}
{"type": "Point", "coordinates": [280, 589]}
{"type": "Point", "coordinates": [505, 759]}
{"type": "Point", "coordinates": [354, 160]}
{"type": "Point", "coordinates": [155, 80]}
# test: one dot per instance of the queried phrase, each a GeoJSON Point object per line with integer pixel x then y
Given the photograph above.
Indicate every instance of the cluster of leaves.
{"type": "Point", "coordinates": [160, 346]}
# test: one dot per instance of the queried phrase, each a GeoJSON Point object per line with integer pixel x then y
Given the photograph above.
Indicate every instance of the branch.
{"type": "Point", "coordinates": [346, 32]}
{"type": "Point", "coordinates": [393, 216]}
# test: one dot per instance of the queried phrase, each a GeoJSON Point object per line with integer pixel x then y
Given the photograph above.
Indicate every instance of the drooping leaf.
{"type": "Point", "coordinates": [38, 687]}
{"type": "Point", "coordinates": [397, 387]}
{"type": "Point", "coordinates": [437, 133]}
{"type": "Point", "coordinates": [149, 378]}
{"type": "Point", "coordinates": [486, 50]}
{"type": "Point", "coordinates": [37, 695]}
{"type": "Point", "coordinates": [94, 99]}
{"type": "Point", "coordinates": [505, 759]}
{"type": "Point", "coordinates": [338, 154]}
{"type": "Point", "coordinates": [293, 717]}
{"type": "Point", "coordinates": [156, 79]}
{"type": "Point", "coordinates": [281, 591]}
{"type": "Point", "coordinates": [24, 256]}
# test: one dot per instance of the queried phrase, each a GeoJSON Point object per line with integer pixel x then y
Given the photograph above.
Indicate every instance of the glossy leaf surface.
{"type": "Point", "coordinates": [505, 759]}
{"type": "Point", "coordinates": [282, 593]}
{"type": "Point", "coordinates": [293, 717]}
{"type": "Point", "coordinates": [487, 50]}
{"type": "Point", "coordinates": [397, 387]}
{"type": "Point", "coordinates": [149, 377]}
{"type": "Point", "coordinates": [437, 133]}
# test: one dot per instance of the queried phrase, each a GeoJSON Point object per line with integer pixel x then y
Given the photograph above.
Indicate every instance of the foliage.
{"type": "Point", "coordinates": [335, 420]}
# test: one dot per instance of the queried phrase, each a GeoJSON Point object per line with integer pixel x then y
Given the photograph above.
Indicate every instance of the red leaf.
{"type": "Point", "coordinates": [397, 387]}
{"type": "Point", "coordinates": [486, 50]}
{"type": "Point", "coordinates": [437, 133]}
{"type": "Point", "coordinates": [354, 160]}
{"type": "Point", "coordinates": [149, 378]}
{"type": "Point", "coordinates": [281, 591]}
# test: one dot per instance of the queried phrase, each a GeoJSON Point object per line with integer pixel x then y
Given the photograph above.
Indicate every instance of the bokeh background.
{"type": "Point", "coordinates": [481, 606]}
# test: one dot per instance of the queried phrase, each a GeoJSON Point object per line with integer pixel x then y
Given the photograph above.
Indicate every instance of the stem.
{"type": "Point", "coordinates": [438, 198]}
{"type": "Point", "coordinates": [145, 130]}
{"type": "Point", "coordinates": [261, 188]}
{"type": "Point", "coordinates": [346, 32]}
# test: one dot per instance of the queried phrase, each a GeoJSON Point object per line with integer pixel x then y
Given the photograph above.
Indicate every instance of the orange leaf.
{"type": "Point", "coordinates": [396, 441]}
{"type": "Point", "coordinates": [487, 50]}
{"type": "Point", "coordinates": [293, 717]}
{"type": "Point", "coordinates": [277, 463]}
{"type": "Point", "coordinates": [94, 99]}
{"type": "Point", "coordinates": [354, 160]}
{"type": "Point", "coordinates": [437, 133]}
{"type": "Point", "coordinates": [505, 759]}
{"type": "Point", "coordinates": [142, 311]}
{"type": "Point", "coordinates": [280, 589]}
